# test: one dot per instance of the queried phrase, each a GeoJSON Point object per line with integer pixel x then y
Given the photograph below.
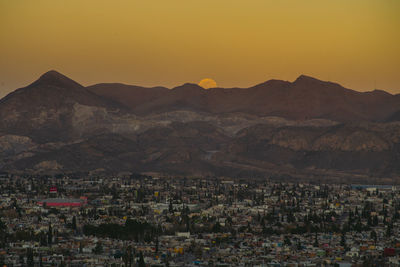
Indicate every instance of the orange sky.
{"type": "Point", "coordinates": [170, 42]}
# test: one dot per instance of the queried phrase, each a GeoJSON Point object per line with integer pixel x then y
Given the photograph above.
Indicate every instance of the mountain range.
{"type": "Point", "coordinates": [304, 128]}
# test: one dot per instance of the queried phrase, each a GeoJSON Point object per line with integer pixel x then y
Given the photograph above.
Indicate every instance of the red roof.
{"type": "Point", "coordinates": [389, 252]}
{"type": "Point", "coordinates": [61, 202]}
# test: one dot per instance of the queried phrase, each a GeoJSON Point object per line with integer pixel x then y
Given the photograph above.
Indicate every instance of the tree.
{"type": "Point", "coordinates": [29, 257]}
{"type": "Point", "coordinates": [99, 248]}
{"type": "Point", "coordinates": [287, 241]}
{"type": "Point", "coordinates": [217, 228]}
{"type": "Point", "coordinates": [74, 223]}
{"type": "Point", "coordinates": [141, 262]}
{"type": "Point", "coordinates": [3, 234]}
{"type": "Point", "coordinates": [375, 221]}
{"type": "Point", "coordinates": [50, 235]}
{"type": "Point", "coordinates": [128, 256]}
{"type": "Point", "coordinates": [2, 260]}
{"type": "Point", "coordinates": [316, 240]}
{"type": "Point", "coordinates": [373, 236]}
{"type": "Point", "coordinates": [343, 241]}
{"type": "Point", "coordinates": [3, 226]}
{"type": "Point", "coordinates": [389, 230]}
{"type": "Point", "coordinates": [157, 244]}
{"type": "Point", "coordinates": [298, 245]}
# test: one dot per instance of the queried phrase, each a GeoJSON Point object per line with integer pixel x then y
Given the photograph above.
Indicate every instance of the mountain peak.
{"type": "Point", "coordinates": [304, 78]}
{"type": "Point", "coordinates": [273, 83]}
{"type": "Point", "coordinates": [52, 73]}
{"type": "Point", "coordinates": [308, 81]}
{"type": "Point", "coordinates": [380, 92]}
{"type": "Point", "coordinates": [54, 78]}
{"type": "Point", "coordinates": [189, 86]}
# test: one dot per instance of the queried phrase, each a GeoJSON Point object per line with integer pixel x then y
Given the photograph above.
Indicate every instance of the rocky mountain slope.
{"type": "Point", "coordinates": [304, 128]}
{"type": "Point", "coordinates": [46, 109]}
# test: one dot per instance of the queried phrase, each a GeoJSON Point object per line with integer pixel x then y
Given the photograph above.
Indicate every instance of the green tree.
{"type": "Point", "coordinates": [3, 234]}
{"type": "Point", "coordinates": [217, 228]}
{"type": "Point", "coordinates": [316, 240]}
{"type": "Point", "coordinates": [99, 248]}
{"type": "Point", "coordinates": [373, 236]}
{"type": "Point", "coordinates": [74, 222]}
{"type": "Point", "coordinates": [141, 262]}
{"type": "Point", "coordinates": [389, 228]}
{"type": "Point", "coordinates": [287, 241]}
{"type": "Point", "coordinates": [50, 235]}
{"type": "Point", "coordinates": [128, 256]}
{"type": "Point", "coordinates": [29, 257]}
{"type": "Point", "coordinates": [375, 220]}
{"type": "Point", "coordinates": [157, 244]}
{"type": "Point", "coordinates": [343, 241]}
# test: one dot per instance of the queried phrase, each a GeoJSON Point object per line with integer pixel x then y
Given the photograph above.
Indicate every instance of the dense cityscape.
{"type": "Point", "coordinates": [199, 133]}
{"type": "Point", "coordinates": [169, 221]}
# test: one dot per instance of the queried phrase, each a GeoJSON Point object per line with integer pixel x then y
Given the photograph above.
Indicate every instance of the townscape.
{"type": "Point", "coordinates": [168, 221]}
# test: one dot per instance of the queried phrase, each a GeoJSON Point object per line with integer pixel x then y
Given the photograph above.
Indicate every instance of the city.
{"type": "Point", "coordinates": [177, 221]}
{"type": "Point", "coordinates": [177, 133]}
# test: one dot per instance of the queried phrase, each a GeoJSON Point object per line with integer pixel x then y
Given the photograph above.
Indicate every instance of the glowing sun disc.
{"type": "Point", "coordinates": [207, 83]}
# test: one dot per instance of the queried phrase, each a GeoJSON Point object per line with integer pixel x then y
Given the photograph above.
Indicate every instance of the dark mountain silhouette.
{"type": "Point", "coordinates": [305, 128]}
{"type": "Point", "coordinates": [129, 95]}
{"type": "Point", "coordinates": [305, 98]}
{"type": "Point", "coordinates": [51, 90]}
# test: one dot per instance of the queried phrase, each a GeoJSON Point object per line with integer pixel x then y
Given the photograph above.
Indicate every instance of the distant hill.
{"type": "Point", "coordinates": [305, 98]}
{"type": "Point", "coordinates": [305, 128]}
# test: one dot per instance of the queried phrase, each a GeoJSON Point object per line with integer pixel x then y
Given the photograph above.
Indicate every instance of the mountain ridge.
{"type": "Point", "coordinates": [304, 127]}
{"type": "Point", "coordinates": [304, 98]}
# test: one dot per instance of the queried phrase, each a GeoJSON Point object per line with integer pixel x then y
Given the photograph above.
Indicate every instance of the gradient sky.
{"type": "Point", "coordinates": [170, 42]}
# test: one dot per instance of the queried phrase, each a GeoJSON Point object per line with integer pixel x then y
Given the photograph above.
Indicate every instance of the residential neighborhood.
{"type": "Point", "coordinates": [140, 220]}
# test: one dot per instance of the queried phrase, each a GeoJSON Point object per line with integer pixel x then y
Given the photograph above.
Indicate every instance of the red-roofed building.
{"type": "Point", "coordinates": [61, 202]}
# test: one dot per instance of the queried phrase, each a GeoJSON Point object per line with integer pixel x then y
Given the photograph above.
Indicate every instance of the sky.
{"type": "Point", "coordinates": [238, 43]}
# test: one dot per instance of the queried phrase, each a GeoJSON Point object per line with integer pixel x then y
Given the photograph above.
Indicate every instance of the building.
{"type": "Point", "coordinates": [61, 202]}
